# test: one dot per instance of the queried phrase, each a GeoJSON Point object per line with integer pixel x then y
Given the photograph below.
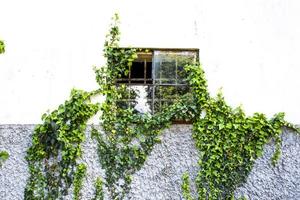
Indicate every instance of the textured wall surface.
{"type": "Point", "coordinates": [160, 177]}
{"type": "Point", "coordinates": [15, 139]}
{"type": "Point", "coordinates": [280, 182]}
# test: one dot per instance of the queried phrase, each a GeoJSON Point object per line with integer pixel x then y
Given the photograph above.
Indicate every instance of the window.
{"type": "Point", "coordinates": [157, 78]}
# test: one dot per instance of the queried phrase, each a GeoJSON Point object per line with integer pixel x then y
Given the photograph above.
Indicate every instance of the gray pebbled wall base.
{"type": "Point", "coordinates": [281, 181]}
{"type": "Point", "coordinates": [160, 177]}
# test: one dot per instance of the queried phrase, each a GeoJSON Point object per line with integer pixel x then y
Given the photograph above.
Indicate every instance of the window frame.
{"type": "Point", "coordinates": [151, 82]}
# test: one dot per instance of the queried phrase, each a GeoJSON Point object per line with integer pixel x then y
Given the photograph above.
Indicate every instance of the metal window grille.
{"type": "Point", "coordinates": [157, 78]}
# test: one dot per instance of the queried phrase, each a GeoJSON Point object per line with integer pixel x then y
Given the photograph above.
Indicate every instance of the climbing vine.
{"type": "Point", "coordinates": [2, 47]}
{"type": "Point", "coordinates": [228, 141]}
{"type": "Point", "coordinates": [186, 188]}
{"type": "Point", "coordinates": [127, 137]}
{"type": "Point", "coordinates": [56, 145]}
{"type": "Point", "coordinates": [78, 180]}
{"type": "Point", "coordinates": [99, 193]}
{"type": "Point", "coordinates": [3, 157]}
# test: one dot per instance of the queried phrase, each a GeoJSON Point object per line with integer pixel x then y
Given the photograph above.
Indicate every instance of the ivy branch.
{"type": "Point", "coordinates": [56, 145]}
{"type": "Point", "coordinates": [228, 141]}
{"type": "Point", "coordinates": [2, 47]}
{"type": "Point", "coordinates": [3, 157]}
{"type": "Point", "coordinates": [128, 137]}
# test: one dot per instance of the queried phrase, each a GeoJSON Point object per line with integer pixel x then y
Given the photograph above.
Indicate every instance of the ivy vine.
{"type": "Point", "coordinates": [186, 188]}
{"type": "Point", "coordinates": [99, 193]}
{"type": "Point", "coordinates": [56, 145]}
{"type": "Point", "coordinates": [2, 47]}
{"type": "Point", "coordinates": [3, 157]}
{"type": "Point", "coordinates": [228, 141]}
{"type": "Point", "coordinates": [78, 180]}
{"type": "Point", "coordinates": [127, 137]}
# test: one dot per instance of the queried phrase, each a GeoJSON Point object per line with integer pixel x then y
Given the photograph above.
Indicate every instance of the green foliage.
{"type": "Point", "coordinates": [128, 137]}
{"type": "Point", "coordinates": [228, 140]}
{"type": "Point", "coordinates": [2, 47]}
{"type": "Point", "coordinates": [56, 144]}
{"type": "Point", "coordinates": [186, 188]}
{"type": "Point", "coordinates": [99, 194]}
{"type": "Point", "coordinates": [3, 157]}
{"type": "Point", "coordinates": [78, 179]}
{"type": "Point", "coordinates": [242, 198]}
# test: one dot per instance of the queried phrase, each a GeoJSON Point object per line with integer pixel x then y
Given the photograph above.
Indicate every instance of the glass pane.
{"type": "Point", "coordinates": [165, 68]}
{"type": "Point", "coordinates": [182, 61]}
{"type": "Point", "coordinates": [123, 104]}
{"type": "Point", "coordinates": [167, 95]}
{"type": "Point", "coordinates": [157, 105]}
{"type": "Point", "coordinates": [182, 90]}
{"type": "Point", "coordinates": [165, 92]}
{"type": "Point", "coordinates": [169, 66]}
{"type": "Point", "coordinates": [165, 104]}
{"type": "Point", "coordinates": [161, 105]}
{"type": "Point", "coordinates": [170, 92]}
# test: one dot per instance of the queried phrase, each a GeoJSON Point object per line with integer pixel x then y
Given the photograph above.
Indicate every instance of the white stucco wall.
{"type": "Point", "coordinates": [250, 48]}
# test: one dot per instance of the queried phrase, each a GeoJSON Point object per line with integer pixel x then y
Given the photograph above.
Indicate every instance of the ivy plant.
{"type": "Point", "coordinates": [127, 137]}
{"type": "Point", "coordinates": [186, 188]}
{"type": "Point", "coordinates": [99, 193]}
{"type": "Point", "coordinates": [56, 145]}
{"type": "Point", "coordinates": [3, 157]}
{"type": "Point", "coordinates": [228, 141]}
{"type": "Point", "coordinates": [2, 47]}
{"type": "Point", "coordinates": [78, 180]}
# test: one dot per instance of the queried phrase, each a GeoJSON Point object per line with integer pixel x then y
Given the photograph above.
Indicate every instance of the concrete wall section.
{"type": "Point", "coordinates": [280, 182]}
{"type": "Point", "coordinates": [15, 139]}
{"type": "Point", "coordinates": [160, 177]}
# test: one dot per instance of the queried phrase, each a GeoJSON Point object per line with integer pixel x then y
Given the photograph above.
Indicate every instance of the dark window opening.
{"type": "Point", "coordinates": [140, 72]}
